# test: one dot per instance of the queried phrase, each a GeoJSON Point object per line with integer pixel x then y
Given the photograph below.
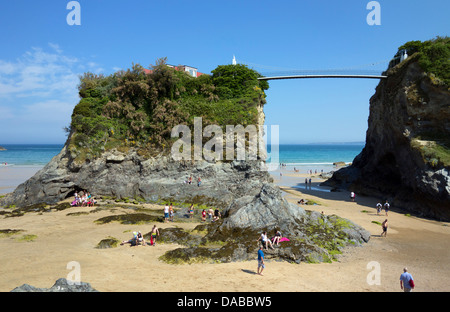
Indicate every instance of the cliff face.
{"type": "Point", "coordinates": [130, 175]}
{"type": "Point", "coordinates": [405, 159]}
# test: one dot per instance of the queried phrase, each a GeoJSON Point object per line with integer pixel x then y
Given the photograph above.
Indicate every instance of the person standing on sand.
{"type": "Point", "coordinates": [379, 206]}
{"type": "Point", "coordinates": [406, 281]}
{"type": "Point", "coordinates": [261, 264]}
{"type": "Point", "coordinates": [386, 207]}
{"type": "Point", "coordinates": [384, 225]}
{"type": "Point", "coordinates": [155, 232]}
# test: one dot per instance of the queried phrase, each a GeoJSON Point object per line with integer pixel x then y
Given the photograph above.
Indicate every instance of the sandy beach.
{"type": "Point", "coordinates": [61, 237]}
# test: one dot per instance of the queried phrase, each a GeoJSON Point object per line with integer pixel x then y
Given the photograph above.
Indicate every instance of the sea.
{"type": "Point", "coordinates": [315, 157]}
{"type": "Point", "coordinates": [28, 155]}
{"type": "Point", "coordinates": [292, 155]}
{"type": "Point", "coordinates": [19, 162]}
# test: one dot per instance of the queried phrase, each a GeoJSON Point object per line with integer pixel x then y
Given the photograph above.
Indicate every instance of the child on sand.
{"type": "Point", "coordinates": [155, 232]}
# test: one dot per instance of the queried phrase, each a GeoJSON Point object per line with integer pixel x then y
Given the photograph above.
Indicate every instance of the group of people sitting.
{"type": "Point", "coordinates": [85, 199]}
{"type": "Point", "coordinates": [275, 240]}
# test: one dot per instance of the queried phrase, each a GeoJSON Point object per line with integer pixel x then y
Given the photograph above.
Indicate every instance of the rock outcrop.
{"type": "Point", "coordinates": [130, 175]}
{"type": "Point", "coordinates": [409, 112]}
{"type": "Point", "coordinates": [311, 236]}
{"type": "Point", "coordinates": [61, 285]}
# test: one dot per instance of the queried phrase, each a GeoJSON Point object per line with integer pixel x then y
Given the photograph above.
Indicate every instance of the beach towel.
{"type": "Point", "coordinates": [284, 239]}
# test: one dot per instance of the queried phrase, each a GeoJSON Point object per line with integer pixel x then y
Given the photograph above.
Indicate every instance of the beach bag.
{"type": "Point", "coordinates": [411, 283]}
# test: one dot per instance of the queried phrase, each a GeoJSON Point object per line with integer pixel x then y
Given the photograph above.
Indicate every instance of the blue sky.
{"type": "Point", "coordinates": [41, 56]}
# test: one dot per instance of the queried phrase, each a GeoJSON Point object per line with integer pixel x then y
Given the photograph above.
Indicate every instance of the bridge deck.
{"type": "Point", "coordinates": [322, 76]}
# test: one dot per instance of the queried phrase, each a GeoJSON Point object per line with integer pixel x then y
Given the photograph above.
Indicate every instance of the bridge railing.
{"type": "Point", "coordinates": [317, 72]}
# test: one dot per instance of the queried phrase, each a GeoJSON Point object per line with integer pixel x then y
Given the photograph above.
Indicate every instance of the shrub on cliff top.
{"type": "Point", "coordinates": [434, 56]}
{"type": "Point", "coordinates": [135, 108]}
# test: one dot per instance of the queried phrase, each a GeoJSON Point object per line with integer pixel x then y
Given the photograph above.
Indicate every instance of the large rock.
{"type": "Point", "coordinates": [313, 237]}
{"type": "Point", "coordinates": [61, 285]}
{"type": "Point", "coordinates": [406, 106]}
{"type": "Point", "coordinates": [130, 175]}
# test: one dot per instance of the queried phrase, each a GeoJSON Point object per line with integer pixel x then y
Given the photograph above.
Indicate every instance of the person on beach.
{"type": "Point", "coordinates": [406, 281]}
{"type": "Point", "coordinates": [203, 215]}
{"type": "Point", "coordinates": [136, 240]}
{"type": "Point", "coordinates": [191, 211]}
{"type": "Point", "coordinates": [171, 212]}
{"type": "Point", "coordinates": [155, 232]}
{"type": "Point", "coordinates": [216, 215]}
{"type": "Point", "coordinates": [140, 239]}
{"type": "Point", "coordinates": [265, 241]}
{"type": "Point", "coordinates": [352, 196]}
{"type": "Point", "coordinates": [384, 225]}
{"type": "Point", "coordinates": [210, 214]}
{"type": "Point", "coordinates": [166, 213]}
{"type": "Point", "coordinates": [276, 238]}
{"type": "Point", "coordinates": [386, 207]}
{"type": "Point", "coordinates": [379, 206]}
{"type": "Point", "coordinates": [261, 264]}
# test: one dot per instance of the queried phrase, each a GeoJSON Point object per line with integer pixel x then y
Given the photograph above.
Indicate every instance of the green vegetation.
{"type": "Point", "coordinates": [434, 56]}
{"type": "Point", "coordinates": [134, 218]}
{"type": "Point", "coordinates": [136, 109]}
{"type": "Point", "coordinates": [434, 151]}
{"type": "Point", "coordinates": [9, 232]}
{"type": "Point", "coordinates": [109, 242]}
{"type": "Point", "coordinates": [27, 238]}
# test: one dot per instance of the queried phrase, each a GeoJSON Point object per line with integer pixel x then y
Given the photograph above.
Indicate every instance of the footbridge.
{"type": "Point", "coordinates": [366, 71]}
{"type": "Point", "coordinates": [309, 74]}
